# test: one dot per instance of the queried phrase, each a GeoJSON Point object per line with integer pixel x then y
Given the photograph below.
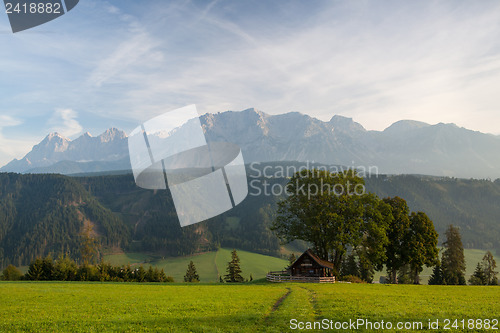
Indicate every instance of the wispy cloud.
{"type": "Point", "coordinates": [376, 62]}
{"type": "Point", "coordinates": [432, 62]}
{"type": "Point", "coordinates": [64, 122]}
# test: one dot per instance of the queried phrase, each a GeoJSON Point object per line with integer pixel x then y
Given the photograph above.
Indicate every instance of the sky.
{"type": "Point", "coordinates": [119, 63]}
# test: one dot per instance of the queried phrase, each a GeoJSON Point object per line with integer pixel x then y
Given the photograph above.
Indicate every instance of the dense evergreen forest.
{"type": "Point", "coordinates": [49, 214]}
{"type": "Point", "coordinates": [41, 214]}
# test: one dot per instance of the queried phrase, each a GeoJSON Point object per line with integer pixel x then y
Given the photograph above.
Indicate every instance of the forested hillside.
{"type": "Point", "coordinates": [154, 226]}
{"type": "Point", "coordinates": [473, 205]}
{"type": "Point", "coordinates": [42, 214]}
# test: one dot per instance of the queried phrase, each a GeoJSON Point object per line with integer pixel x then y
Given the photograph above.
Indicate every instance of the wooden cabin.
{"type": "Point", "coordinates": [310, 265]}
{"type": "Point", "coordinates": [307, 268]}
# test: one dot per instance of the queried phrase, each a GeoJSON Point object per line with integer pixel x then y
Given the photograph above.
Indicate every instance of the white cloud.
{"type": "Point", "coordinates": [8, 121]}
{"type": "Point", "coordinates": [378, 65]}
{"type": "Point", "coordinates": [64, 122]}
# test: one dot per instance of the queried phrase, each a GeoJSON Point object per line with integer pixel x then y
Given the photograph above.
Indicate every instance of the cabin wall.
{"type": "Point", "coordinates": [306, 266]}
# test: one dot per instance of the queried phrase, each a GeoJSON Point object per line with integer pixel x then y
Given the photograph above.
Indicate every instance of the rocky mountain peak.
{"type": "Point", "coordinates": [112, 134]}
{"type": "Point", "coordinates": [345, 124]}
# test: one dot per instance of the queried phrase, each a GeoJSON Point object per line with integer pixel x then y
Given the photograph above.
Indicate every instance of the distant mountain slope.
{"type": "Point", "coordinates": [110, 146]}
{"type": "Point", "coordinates": [406, 147]}
{"type": "Point", "coordinates": [42, 214]}
{"type": "Point", "coordinates": [71, 167]}
{"type": "Point", "coordinates": [473, 205]}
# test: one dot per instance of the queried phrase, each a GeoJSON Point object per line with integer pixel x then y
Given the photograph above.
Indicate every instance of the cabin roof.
{"type": "Point", "coordinates": [314, 257]}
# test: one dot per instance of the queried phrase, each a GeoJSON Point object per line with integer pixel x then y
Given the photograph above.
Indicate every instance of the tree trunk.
{"type": "Point", "coordinates": [394, 276]}
{"type": "Point", "coordinates": [416, 278]}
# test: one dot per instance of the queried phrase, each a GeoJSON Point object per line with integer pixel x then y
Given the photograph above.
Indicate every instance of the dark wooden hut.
{"type": "Point", "coordinates": [310, 265]}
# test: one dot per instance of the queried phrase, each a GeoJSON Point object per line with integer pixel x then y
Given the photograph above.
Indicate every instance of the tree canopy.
{"type": "Point", "coordinates": [332, 212]}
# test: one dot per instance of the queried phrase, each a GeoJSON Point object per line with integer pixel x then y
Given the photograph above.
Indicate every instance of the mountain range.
{"type": "Point", "coordinates": [406, 147]}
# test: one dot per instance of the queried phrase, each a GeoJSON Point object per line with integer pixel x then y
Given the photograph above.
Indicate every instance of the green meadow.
{"type": "Point", "coordinates": [209, 265]}
{"type": "Point", "coordinates": [252, 307]}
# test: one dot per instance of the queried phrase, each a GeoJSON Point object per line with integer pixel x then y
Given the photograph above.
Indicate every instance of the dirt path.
{"type": "Point", "coordinates": [314, 303]}
{"type": "Point", "coordinates": [269, 316]}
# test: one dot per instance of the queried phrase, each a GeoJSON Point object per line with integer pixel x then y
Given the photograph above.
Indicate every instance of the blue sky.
{"type": "Point", "coordinates": [119, 63]}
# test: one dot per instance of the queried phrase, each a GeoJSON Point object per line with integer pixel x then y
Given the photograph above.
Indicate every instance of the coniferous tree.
{"type": "Point", "coordinates": [350, 266]}
{"type": "Point", "coordinates": [141, 274]}
{"type": "Point", "coordinates": [233, 269]}
{"type": "Point", "coordinates": [104, 271]}
{"type": "Point", "coordinates": [478, 278]}
{"type": "Point", "coordinates": [191, 275]}
{"type": "Point", "coordinates": [453, 259]}
{"type": "Point", "coordinates": [150, 275]}
{"type": "Point", "coordinates": [88, 246]}
{"type": "Point", "coordinates": [47, 269]}
{"type": "Point", "coordinates": [489, 264]}
{"type": "Point", "coordinates": [65, 269]}
{"type": "Point", "coordinates": [164, 278]}
{"type": "Point", "coordinates": [437, 276]}
{"type": "Point", "coordinates": [35, 270]}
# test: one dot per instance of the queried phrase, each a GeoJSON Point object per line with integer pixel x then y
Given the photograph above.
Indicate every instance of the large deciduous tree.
{"type": "Point", "coordinates": [333, 212]}
{"type": "Point", "coordinates": [397, 254]}
{"type": "Point", "coordinates": [421, 242]}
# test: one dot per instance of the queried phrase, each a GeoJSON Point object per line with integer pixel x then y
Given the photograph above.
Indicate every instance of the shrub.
{"type": "Point", "coordinates": [352, 279]}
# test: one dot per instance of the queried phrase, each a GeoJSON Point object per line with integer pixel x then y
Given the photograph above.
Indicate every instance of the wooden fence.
{"type": "Point", "coordinates": [283, 276]}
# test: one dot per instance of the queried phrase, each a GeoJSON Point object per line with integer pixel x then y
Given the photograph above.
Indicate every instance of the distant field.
{"type": "Point", "coordinates": [258, 307]}
{"type": "Point", "coordinates": [208, 265]}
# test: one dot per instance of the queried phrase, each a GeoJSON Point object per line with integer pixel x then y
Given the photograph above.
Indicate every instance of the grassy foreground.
{"type": "Point", "coordinates": [101, 307]}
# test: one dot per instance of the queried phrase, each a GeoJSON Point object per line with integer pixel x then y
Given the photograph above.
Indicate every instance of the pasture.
{"type": "Point", "coordinates": [252, 307]}
{"type": "Point", "coordinates": [213, 264]}
{"type": "Point", "coordinates": [209, 265]}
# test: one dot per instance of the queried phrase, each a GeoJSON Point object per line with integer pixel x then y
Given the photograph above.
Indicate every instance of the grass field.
{"type": "Point", "coordinates": [208, 265]}
{"type": "Point", "coordinates": [258, 307]}
{"type": "Point", "coordinates": [213, 264]}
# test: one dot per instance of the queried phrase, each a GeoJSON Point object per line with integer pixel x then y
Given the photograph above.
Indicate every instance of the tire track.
{"type": "Point", "coordinates": [277, 305]}
{"type": "Point", "coordinates": [314, 303]}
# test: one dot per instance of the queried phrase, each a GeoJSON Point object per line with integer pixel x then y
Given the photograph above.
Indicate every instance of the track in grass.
{"type": "Point", "coordinates": [258, 307]}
